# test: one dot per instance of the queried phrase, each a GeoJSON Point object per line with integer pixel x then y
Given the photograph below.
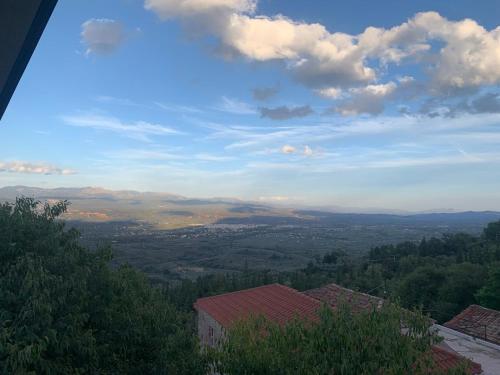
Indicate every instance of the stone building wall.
{"type": "Point", "coordinates": [210, 332]}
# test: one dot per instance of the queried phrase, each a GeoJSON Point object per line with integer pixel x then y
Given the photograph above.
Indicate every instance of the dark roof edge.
{"type": "Point", "coordinates": [28, 47]}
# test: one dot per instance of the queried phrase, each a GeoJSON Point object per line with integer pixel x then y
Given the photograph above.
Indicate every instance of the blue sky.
{"type": "Point", "coordinates": [386, 104]}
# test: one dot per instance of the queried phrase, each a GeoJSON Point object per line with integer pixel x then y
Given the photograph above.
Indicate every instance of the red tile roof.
{"type": "Point", "coordinates": [446, 360]}
{"type": "Point", "coordinates": [479, 322]}
{"type": "Point", "coordinates": [281, 304]}
{"type": "Point", "coordinates": [334, 295]}
{"type": "Point", "coordinates": [276, 302]}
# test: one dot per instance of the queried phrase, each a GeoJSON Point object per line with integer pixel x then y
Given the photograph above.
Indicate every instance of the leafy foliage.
{"type": "Point", "coordinates": [442, 275]}
{"type": "Point", "coordinates": [64, 311]}
{"type": "Point", "coordinates": [341, 342]}
{"type": "Point", "coordinates": [489, 294]}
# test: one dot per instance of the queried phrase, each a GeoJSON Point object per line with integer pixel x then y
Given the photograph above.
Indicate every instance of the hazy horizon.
{"type": "Point", "coordinates": [270, 201]}
{"type": "Point", "coordinates": [378, 106]}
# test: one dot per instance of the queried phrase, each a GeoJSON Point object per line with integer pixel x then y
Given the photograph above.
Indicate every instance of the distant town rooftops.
{"type": "Point", "coordinates": [276, 302]}
{"type": "Point", "coordinates": [334, 295]}
{"type": "Point", "coordinates": [478, 321]}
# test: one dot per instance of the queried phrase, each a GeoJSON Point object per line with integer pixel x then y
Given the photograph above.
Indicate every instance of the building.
{"type": "Point", "coordinates": [446, 360]}
{"type": "Point", "coordinates": [478, 322]}
{"type": "Point", "coordinates": [474, 334]}
{"type": "Point", "coordinates": [276, 302]}
{"type": "Point", "coordinates": [280, 304]}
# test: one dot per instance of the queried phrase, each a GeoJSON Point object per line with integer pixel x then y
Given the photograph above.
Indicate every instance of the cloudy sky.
{"type": "Point", "coordinates": [360, 103]}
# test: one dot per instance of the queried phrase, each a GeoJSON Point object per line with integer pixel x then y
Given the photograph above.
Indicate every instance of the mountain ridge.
{"type": "Point", "coordinates": [168, 211]}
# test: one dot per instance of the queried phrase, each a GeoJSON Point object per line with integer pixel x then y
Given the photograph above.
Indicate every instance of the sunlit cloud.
{"type": "Point", "coordinates": [34, 168]}
{"type": "Point", "coordinates": [287, 149]}
{"type": "Point", "coordinates": [334, 63]}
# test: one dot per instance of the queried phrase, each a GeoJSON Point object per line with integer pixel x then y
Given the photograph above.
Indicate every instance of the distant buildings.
{"type": "Point", "coordinates": [473, 334]}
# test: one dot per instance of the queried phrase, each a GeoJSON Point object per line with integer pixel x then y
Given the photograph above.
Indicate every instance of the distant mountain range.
{"type": "Point", "coordinates": [167, 211]}
{"type": "Point", "coordinates": [162, 210]}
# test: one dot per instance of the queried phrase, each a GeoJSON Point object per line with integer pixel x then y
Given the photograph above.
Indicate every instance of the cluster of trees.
{"type": "Point", "coordinates": [64, 310]}
{"type": "Point", "coordinates": [443, 275]}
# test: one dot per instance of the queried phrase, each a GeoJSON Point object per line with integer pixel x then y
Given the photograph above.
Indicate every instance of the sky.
{"type": "Point", "coordinates": [369, 104]}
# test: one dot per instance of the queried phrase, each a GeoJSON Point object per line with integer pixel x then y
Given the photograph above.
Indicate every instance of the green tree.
{"type": "Point", "coordinates": [492, 231]}
{"type": "Point", "coordinates": [420, 287]}
{"type": "Point", "coordinates": [458, 289]}
{"type": "Point", "coordinates": [340, 342]}
{"type": "Point", "coordinates": [63, 310]}
{"type": "Point", "coordinates": [489, 294]}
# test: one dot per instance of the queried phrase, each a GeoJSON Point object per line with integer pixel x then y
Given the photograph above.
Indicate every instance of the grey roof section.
{"type": "Point", "coordinates": [487, 354]}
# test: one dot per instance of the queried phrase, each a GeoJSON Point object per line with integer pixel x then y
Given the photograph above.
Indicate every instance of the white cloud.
{"type": "Point", "coordinates": [33, 168]}
{"type": "Point", "coordinates": [287, 149]}
{"type": "Point", "coordinates": [235, 106]}
{"type": "Point", "coordinates": [378, 129]}
{"type": "Point", "coordinates": [406, 79]}
{"type": "Point", "coordinates": [158, 154]}
{"type": "Point", "coordinates": [464, 54]}
{"type": "Point", "coordinates": [471, 54]}
{"type": "Point", "coordinates": [308, 151]}
{"type": "Point", "coordinates": [189, 8]}
{"type": "Point", "coordinates": [330, 92]}
{"type": "Point", "coordinates": [140, 130]}
{"type": "Point", "coordinates": [376, 90]}
{"type": "Point", "coordinates": [369, 99]}
{"type": "Point", "coordinates": [102, 36]}
{"type": "Point", "coordinates": [179, 108]}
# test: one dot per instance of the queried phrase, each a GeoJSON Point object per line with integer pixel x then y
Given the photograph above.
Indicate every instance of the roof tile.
{"type": "Point", "coordinates": [478, 321]}
{"type": "Point", "coordinates": [334, 295]}
{"type": "Point", "coordinates": [276, 302]}
{"type": "Point", "coordinates": [447, 360]}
